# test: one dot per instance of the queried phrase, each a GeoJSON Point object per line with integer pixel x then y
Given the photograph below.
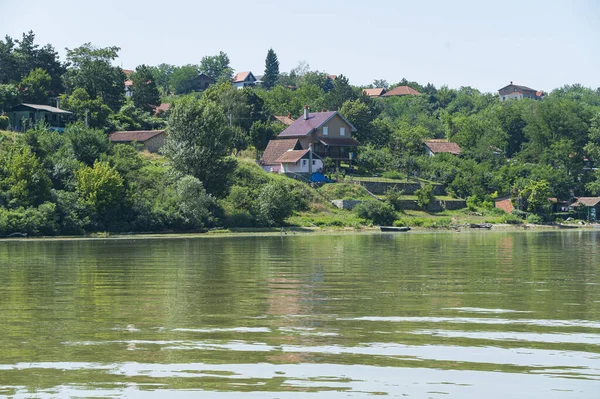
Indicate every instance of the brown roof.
{"type": "Point", "coordinates": [128, 71]}
{"type": "Point", "coordinates": [128, 82]}
{"type": "Point", "coordinates": [291, 156]}
{"type": "Point", "coordinates": [374, 92]}
{"type": "Point", "coordinates": [136, 135]}
{"type": "Point", "coordinates": [437, 146]}
{"type": "Point", "coordinates": [163, 107]}
{"type": "Point", "coordinates": [277, 148]}
{"type": "Point", "coordinates": [286, 120]}
{"type": "Point", "coordinates": [402, 91]}
{"type": "Point", "coordinates": [587, 201]}
{"type": "Point", "coordinates": [241, 76]}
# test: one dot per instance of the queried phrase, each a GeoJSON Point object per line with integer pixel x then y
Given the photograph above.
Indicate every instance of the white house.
{"type": "Point", "coordinates": [299, 161]}
{"type": "Point", "coordinates": [243, 79]}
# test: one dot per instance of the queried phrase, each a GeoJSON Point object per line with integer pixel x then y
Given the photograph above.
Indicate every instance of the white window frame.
{"type": "Point", "coordinates": [325, 131]}
{"type": "Point", "coordinates": [304, 163]}
{"type": "Point", "coordinates": [342, 131]}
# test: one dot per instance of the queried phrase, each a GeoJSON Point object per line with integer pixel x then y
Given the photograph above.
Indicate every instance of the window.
{"type": "Point", "coordinates": [342, 131]}
{"type": "Point", "coordinates": [325, 130]}
{"type": "Point", "coordinates": [303, 162]}
{"type": "Point", "coordinates": [515, 89]}
{"type": "Point", "coordinates": [314, 162]}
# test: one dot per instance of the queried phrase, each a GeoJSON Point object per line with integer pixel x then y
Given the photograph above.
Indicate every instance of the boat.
{"type": "Point", "coordinates": [394, 229]}
{"type": "Point", "coordinates": [480, 226]}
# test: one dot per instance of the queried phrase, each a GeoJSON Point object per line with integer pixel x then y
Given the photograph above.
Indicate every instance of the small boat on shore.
{"type": "Point", "coordinates": [480, 226]}
{"type": "Point", "coordinates": [394, 229]}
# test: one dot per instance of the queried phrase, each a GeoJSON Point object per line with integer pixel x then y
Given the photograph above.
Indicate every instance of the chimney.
{"type": "Point", "coordinates": [306, 112]}
{"type": "Point", "coordinates": [511, 82]}
{"type": "Point", "coordinates": [58, 102]}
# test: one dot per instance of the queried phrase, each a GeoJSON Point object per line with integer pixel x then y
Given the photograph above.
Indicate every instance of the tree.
{"type": "Point", "coordinates": [340, 93]}
{"type": "Point", "coordinates": [92, 112]}
{"type": "Point", "coordinates": [274, 203]}
{"type": "Point", "coordinates": [162, 76]}
{"type": "Point", "coordinates": [101, 188]}
{"type": "Point", "coordinates": [260, 135]}
{"type": "Point", "coordinates": [184, 79]}
{"type": "Point", "coordinates": [145, 93]}
{"type": "Point", "coordinates": [199, 143]}
{"type": "Point", "coordinates": [217, 67]}
{"type": "Point", "coordinates": [194, 203]}
{"type": "Point", "coordinates": [425, 196]}
{"type": "Point", "coordinates": [535, 197]}
{"type": "Point", "coordinates": [9, 96]}
{"type": "Point", "coordinates": [34, 87]}
{"type": "Point", "coordinates": [87, 144]}
{"type": "Point", "coordinates": [381, 83]}
{"type": "Point", "coordinates": [91, 68]}
{"type": "Point", "coordinates": [271, 70]}
{"type": "Point", "coordinates": [380, 213]}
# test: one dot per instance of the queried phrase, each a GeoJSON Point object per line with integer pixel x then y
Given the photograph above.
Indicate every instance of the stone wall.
{"type": "Point", "coordinates": [409, 205]}
{"type": "Point", "coordinates": [346, 204]}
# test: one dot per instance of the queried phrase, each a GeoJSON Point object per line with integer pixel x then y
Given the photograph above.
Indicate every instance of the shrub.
{"type": "Point", "coordinates": [400, 223]}
{"type": "Point", "coordinates": [511, 219]}
{"type": "Point", "coordinates": [394, 198]}
{"type": "Point", "coordinates": [379, 213]}
{"type": "Point", "coordinates": [473, 203]}
{"type": "Point", "coordinates": [4, 122]}
{"type": "Point", "coordinates": [425, 196]}
{"type": "Point", "coordinates": [274, 203]}
{"type": "Point", "coordinates": [393, 174]}
{"type": "Point", "coordinates": [534, 219]}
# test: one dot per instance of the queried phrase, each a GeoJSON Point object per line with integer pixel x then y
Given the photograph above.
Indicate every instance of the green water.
{"type": "Point", "coordinates": [462, 315]}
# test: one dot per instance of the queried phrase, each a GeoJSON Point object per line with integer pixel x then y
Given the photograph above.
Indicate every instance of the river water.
{"type": "Point", "coordinates": [461, 315]}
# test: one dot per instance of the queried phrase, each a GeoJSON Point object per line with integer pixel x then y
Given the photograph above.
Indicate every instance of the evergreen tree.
{"type": "Point", "coordinates": [145, 92]}
{"type": "Point", "coordinates": [271, 70]}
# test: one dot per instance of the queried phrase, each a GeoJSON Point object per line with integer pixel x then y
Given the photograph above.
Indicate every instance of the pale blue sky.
{"type": "Point", "coordinates": [543, 44]}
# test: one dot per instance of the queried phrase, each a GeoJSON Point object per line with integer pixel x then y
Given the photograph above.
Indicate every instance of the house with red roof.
{"type": "Point", "coordinates": [399, 91]}
{"type": "Point", "coordinates": [377, 92]}
{"type": "Point", "coordinates": [243, 79]}
{"type": "Point", "coordinates": [326, 134]}
{"type": "Point", "coordinates": [151, 140]}
{"type": "Point", "coordinates": [438, 146]}
{"type": "Point", "coordinates": [517, 92]}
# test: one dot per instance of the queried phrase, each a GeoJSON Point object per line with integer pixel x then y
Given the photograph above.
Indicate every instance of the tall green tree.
{"type": "Point", "coordinates": [91, 68]}
{"type": "Point", "coordinates": [200, 143]}
{"type": "Point", "coordinates": [183, 80]}
{"type": "Point", "coordinates": [217, 67]}
{"type": "Point", "coordinates": [162, 76]}
{"type": "Point", "coordinates": [35, 86]}
{"type": "Point", "coordinates": [271, 70]}
{"type": "Point", "coordinates": [145, 94]}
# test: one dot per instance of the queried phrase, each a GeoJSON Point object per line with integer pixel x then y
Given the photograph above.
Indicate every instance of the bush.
{"type": "Point", "coordinates": [274, 204]}
{"type": "Point", "coordinates": [473, 203]}
{"type": "Point", "coordinates": [393, 174]}
{"type": "Point", "coordinates": [534, 219]}
{"type": "Point", "coordinates": [425, 196]}
{"type": "Point", "coordinates": [511, 219]}
{"type": "Point", "coordinates": [4, 122]}
{"type": "Point", "coordinates": [380, 213]}
{"type": "Point", "coordinates": [394, 198]}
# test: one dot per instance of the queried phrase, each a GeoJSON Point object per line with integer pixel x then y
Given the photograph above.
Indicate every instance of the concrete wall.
{"type": "Point", "coordinates": [381, 188]}
{"type": "Point", "coordinates": [155, 143]}
{"type": "Point", "coordinates": [346, 204]}
{"type": "Point", "coordinates": [409, 205]}
{"type": "Point", "coordinates": [301, 166]}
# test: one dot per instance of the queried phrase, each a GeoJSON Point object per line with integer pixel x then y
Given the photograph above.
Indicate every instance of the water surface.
{"type": "Point", "coordinates": [464, 315]}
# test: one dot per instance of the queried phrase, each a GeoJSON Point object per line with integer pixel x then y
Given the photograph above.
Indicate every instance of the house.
{"type": "Point", "coordinates": [436, 146]}
{"type": "Point", "coordinates": [152, 140]}
{"type": "Point", "coordinates": [401, 91]}
{"type": "Point", "coordinates": [24, 114]}
{"type": "Point", "coordinates": [374, 92]}
{"type": "Point", "coordinates": [587, 208]}
{"type": "Point", "coordinates": [203, 81]}
{"type": "Point", "coordinates": [300, 162]}
{"type": "Point", "coordinates": [243, 79]}
{"type": "Point", "coordinates": [162, 109]}
{"type": "Point", "coordinates": [505, 203]}
{"type": "Point", "coordinates": [329, 133]}
{"type": "Point", "coordinates": [275, 149]}
{"type": "Point", "coordinates": [128, 82]}
{"type": "Point", "coordinates": [517, 92]}
{"type": "Point", "coordinates": [287, 120]}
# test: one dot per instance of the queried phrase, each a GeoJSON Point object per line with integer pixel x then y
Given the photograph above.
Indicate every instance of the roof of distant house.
{"type": "Point", "coordinates": [285, 119]}
{"type": "Point", "coordinates": [135, 135]}
{"type": "Point", "coordinates": [277, 148]}
{"type": "Point", "coordinates": [332, 77]}
{"type": "Point", "coordinates": [402, 91]}
{"type": "Point", "coordinates": [46, 108]}
{"type": "Point", "coordinates": [304, 127]}
{"type": "Point", "coordinates": [163, 107]}
{"type": "Point", "coordinates": [439, 145]}
{"type": "Point", "coordinates": [128, 71]}
{"type": "Point", "coordinates": [129, 82]}
{"type": "Point", "coordinates": [291, 156]}
{"type": "Point", "coordinates": [520, 87]}
{"type": "Point", "coordinates": [587, 201]}
{"type": "Point", "coordinates": [374, 92]}
{"type": "Point", "coordinates": [242, 76]}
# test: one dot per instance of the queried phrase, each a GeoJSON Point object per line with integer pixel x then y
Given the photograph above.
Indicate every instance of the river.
{"type": "Point", "coordinates": [421, 315]}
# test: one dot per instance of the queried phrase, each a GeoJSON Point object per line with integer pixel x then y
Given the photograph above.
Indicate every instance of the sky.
{"type": "Point", "coordinates": [543, 44]}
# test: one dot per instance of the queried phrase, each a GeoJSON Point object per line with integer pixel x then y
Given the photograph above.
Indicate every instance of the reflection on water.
{"type": "Point", "coordinates": [491, 315]}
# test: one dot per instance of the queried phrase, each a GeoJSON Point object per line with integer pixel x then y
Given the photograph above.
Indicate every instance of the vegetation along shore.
{"type": "Point", "coordinates": [89, 147]}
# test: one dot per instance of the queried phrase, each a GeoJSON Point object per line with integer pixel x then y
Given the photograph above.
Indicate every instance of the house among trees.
{"type": "Point", "coordinates": [587, 208]}
{"type": "Point", "coordinates": [286, 120]}
{"type": "Point", "coordinates": [151, 140]}
{"type": "Point", "coordinates": [243, 79]}
{"type": "Point", "coordinates": [203, 81]}
{"type": "Point", "coordinates": [24, 115]}
{"type": "Point", "coordinates": [128, 82]}
{"type": "Point", "coordinates": [437, 146]}
{"type": "Point", "coordinates": [378, 92]}
{"type": "Point", "coordinates": [401, 91]}
{"type": "Point", "coordinates": [326, 134]}
{"type": "Point", "coordinates": [516, 92]}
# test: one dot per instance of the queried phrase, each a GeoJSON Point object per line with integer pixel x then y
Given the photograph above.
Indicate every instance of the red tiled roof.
{"type": "Point", "coordinates": [128, 82]}
{"type": "Point", "coordinates": [587, 201]}
{"type": "Point", "coordinates": [304, 127]}
{"type": "Point", "coordinates": [241, 76]}
{"type": "Point", "coordinates": [338, 142]}
{"type": "Point", "coordinates": [374, 92]}
{"type": "Point", "coordinates": [163, 107]}
{"type": "Point", "coordinates": [402, 91]}
{"type": "Point", "coordinates": [277, 148]}
{"type": "Point", "coordinates": [128, 71]}
{"type": "Point", "coordinates": [437, 146]}
{"type": "Point", "coordinates": [291, 156]}
{"type": "Point", "coordinates": [286, 120]}
{"type": "Point", "coordinates": [136, 135]}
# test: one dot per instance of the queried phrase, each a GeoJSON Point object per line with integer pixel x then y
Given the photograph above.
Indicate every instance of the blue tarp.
{"type": "Point", "coordinates": [319, 177]}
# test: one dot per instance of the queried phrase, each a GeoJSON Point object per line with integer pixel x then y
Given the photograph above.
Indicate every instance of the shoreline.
{"type": "Point", "coordinates": [299, 231]}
